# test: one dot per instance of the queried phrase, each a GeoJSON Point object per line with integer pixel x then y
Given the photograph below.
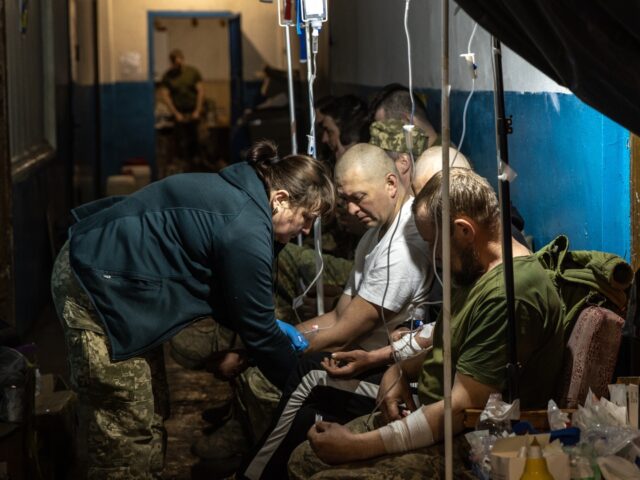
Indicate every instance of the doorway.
{"type": "Point", "coordinates": [211, 43]}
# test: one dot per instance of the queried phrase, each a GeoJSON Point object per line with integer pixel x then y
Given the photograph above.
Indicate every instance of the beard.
{"type": "Point", "coordinates": [471, 268]}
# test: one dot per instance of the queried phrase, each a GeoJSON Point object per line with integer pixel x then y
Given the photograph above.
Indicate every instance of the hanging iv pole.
{"type": "Point", "coordinates": [292, 104]}
{"type": "Point", "coordinates": [503, 127]}
{"type": "Point", "coordinates": [446, 247]}
{"type": "Point", "coordinates": [285, 21]}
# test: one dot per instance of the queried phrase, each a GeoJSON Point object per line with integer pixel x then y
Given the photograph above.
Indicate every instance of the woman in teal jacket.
{"type": "Point", "coordinates": [139, 268]}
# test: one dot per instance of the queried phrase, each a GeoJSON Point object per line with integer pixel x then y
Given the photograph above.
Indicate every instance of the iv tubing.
{"type": "Point", "coordinates": [317, 225]}
{"type": "Point", "coordinates": [466, 103]}
{"type": "Point", "coordinates": [406, 31]}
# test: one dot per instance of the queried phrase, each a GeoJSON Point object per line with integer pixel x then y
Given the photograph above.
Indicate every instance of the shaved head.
{"type": "Point", "coordinates": [368, 183]}
{"type": "Point", "coordinates": [430, 163]}
{"type": "Point", "coordinates": [369, 161]}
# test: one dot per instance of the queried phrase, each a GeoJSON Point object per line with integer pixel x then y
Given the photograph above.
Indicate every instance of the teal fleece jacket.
{"type": "Point", "coordinates": [182, 248]}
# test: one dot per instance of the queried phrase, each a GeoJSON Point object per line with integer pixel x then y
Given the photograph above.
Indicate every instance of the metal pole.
{"type": "Point", "coordinates": [292, 100]}
{"type": "Point", "coordinates": [317, 226]}
{"type": "Point", "coordinates": [446, 243]}
{"type": "Point", "coordinates": [292, 103]}
{"type": "Point", "coordinates": [503, 127]}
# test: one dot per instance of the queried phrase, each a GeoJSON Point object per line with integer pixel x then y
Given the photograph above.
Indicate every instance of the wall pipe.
{"type": "Point", "coordinates": [446, 246]}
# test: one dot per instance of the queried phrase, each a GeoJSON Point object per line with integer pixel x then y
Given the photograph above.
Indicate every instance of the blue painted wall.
{"type": "Point", "coordinates": [127, 122]}
{"type": "Point", "coordinates": [572, 163]}
{"type": "Point", "coordinates": [126, 125]}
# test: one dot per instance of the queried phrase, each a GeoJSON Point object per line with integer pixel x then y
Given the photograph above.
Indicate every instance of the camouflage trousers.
{"type": "Point", "coordinates": [197, 346]}
{"type": "Point", "coordinates": [255, 398]}
{"type": "Point", "coordinates": [416, 465]}
{"type": "Point", "coordinates": [120, 430]}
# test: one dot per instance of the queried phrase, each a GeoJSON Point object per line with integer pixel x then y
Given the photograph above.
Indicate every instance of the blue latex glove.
{"type": "Point", "coordinates": [298, 342]}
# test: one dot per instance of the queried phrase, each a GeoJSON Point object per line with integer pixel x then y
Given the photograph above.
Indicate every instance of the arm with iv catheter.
{"type": "Point", "coordinates": [357, 316]}
{"type": "Point", "coordinates": [358, 319]}
{"type": "Point", "coordinates": [404, 342]}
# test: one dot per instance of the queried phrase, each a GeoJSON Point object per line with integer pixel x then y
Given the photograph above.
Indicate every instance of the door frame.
{"type": "Point", "coordinates": [7, 287]}
{"type": "Point", "coordinates": [235, 50]}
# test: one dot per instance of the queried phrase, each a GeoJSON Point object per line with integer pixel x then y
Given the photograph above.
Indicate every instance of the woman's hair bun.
{"type": "Point", "coordinates": [263, 154]}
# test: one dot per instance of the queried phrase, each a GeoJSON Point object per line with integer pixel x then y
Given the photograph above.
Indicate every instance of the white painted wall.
{"type": "Point", "coordinates": [369, 48]}
{"type": "Point", "coordinates": [124, 34]}
{"type": "Point", "coordinates": [205, 46]}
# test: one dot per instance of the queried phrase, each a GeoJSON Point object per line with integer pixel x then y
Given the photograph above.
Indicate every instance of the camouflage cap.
{"type": "Point", "coordinates": [389, 135]}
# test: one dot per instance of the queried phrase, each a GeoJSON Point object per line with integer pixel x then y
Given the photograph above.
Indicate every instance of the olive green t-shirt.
{"type": "Point", "coordinates": [479, 335]}
{"type": "Point", "coordinates": [182, 87]}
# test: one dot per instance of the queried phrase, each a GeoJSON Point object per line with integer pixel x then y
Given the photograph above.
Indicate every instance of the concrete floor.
{"type": "Point", "coordinates": [191, 393]}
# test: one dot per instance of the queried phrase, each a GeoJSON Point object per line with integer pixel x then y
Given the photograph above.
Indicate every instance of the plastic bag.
{"type": "Point", "coordinates": [497, 415]}
{"type": "Point", "coordinates": [558, 419]}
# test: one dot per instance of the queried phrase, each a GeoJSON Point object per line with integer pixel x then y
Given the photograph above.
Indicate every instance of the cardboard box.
{"type": "Point", "coordinates": [506, 465]}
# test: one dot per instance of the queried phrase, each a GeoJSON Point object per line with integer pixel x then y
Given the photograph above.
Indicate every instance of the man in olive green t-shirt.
{"type": "Point", "coordinates": [478, 339]}
{"type": "Point", "coordinates": [183, 92]}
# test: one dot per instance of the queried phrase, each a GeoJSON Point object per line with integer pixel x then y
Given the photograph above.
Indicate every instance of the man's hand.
{"type": "Point", "coordinates": [179, 117]}
{"type": "Point", "coordinates": [298, 341]}
{"type": "Point", "coordinates": [398, 333]}
{"type": "Point", "coordinates": [195, 115]}
{"type": "Point", "coordinates": [347, 364]}
{"type": "Point", "coordinates": [394, 390]}
{"type": "Point", "coordinates": [333, 443]}
{"type": "Point", "coordinates": [230, 365]}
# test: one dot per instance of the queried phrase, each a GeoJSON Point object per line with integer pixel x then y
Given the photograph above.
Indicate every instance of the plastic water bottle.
{"type": "Point", "coordinates": [536, 466]}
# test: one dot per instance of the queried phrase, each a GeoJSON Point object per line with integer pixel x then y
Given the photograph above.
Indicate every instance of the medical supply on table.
{"type": "Point", "coordinates": [535, 468]}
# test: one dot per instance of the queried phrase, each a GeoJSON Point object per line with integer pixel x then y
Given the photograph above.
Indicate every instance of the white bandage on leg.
{"type": "Point", "coordinates": [407, 434]}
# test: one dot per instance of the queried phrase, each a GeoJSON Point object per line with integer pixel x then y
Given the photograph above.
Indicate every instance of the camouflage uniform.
{"type": "Point", "coordinates": [120, 431]}
{"type": "Point", "coordinates": [415, 465]}
{"type": "Point", "coordinates": [389, 135]}
{"type": "Point", "coordinates": [257, 397]}
{"type": "Point", "coordinates": [297, 263]}
{"type": "Point", "coordinates": [195, 346]}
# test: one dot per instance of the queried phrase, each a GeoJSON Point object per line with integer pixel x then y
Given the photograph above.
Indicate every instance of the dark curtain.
{"type": "Point", "coordinates": [591, 47]}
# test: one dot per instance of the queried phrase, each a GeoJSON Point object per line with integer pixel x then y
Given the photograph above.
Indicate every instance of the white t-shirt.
{"type": "Point", "coordinates": [410, 274]}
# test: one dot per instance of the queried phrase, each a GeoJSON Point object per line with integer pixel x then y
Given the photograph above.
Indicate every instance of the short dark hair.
{"type": "Point", "coordinates": [324, 102]}
{"type": "Point", "coordinates": [176, 53]}
{"type": "Point", "coordinates": [307, 180]}
{"type": "Point", "coordinates": [350, 115]}
{"type": "Point", "coordinates": [469, 194]}
{"type": "Point", "coordinates": [396, 102]}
